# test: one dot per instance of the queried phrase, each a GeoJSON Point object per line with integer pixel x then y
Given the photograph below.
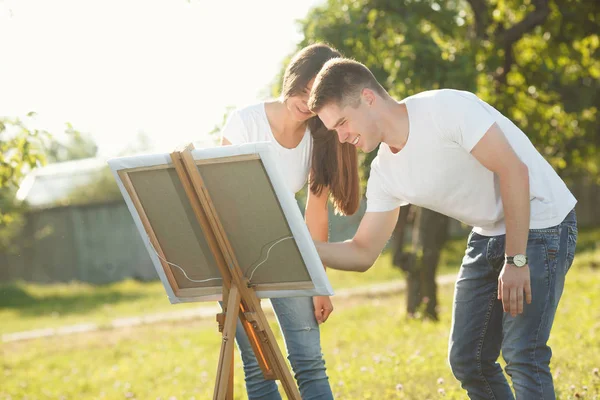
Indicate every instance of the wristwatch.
{"type": "Point", "coordinates": [518, 260]}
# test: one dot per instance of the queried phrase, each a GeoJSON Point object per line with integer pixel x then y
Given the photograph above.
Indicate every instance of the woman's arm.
{"type": "Point", "coordinates": [317, 215]}
{"type": "Point", "coordinates": [317, 219]}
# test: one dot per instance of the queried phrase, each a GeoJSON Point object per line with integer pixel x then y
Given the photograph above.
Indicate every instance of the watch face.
{"type": "Point", "coordinates": [520, 260]}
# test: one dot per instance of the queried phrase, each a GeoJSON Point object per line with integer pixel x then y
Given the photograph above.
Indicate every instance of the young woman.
{"type": "Point", "coordinates": [305, 150]}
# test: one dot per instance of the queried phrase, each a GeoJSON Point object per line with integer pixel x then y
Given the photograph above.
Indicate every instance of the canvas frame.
{"type": "Point", "coordinates": [124, 167]}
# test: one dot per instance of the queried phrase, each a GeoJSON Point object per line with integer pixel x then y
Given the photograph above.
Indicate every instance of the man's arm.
{"type": "Point", "coordinates": [497, 155]}
{"type": "Point", "coordinates": [360, 253]}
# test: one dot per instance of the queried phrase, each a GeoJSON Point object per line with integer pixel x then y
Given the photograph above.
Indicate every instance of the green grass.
{"type": "Point", "coordinates": [372, 351]}
{"type": "Point", "coordinates": [25, 306]}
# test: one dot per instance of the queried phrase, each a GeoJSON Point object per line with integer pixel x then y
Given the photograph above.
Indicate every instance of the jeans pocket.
{"type": "Point", "coordinates": [571, 245]}
{"type": "Point", "coordinates": [542, 252]}
{"type": "Point", "coordinates": [495, 252]}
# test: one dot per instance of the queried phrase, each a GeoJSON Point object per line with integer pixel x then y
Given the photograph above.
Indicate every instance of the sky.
{"type": "Point", "coordinates": [114, 68]}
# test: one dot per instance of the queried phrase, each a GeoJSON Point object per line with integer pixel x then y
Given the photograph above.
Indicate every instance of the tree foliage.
{"type": "Point", "coordinates": [21, 149]}
{"type": "Point", "coordinates": [536, 61]}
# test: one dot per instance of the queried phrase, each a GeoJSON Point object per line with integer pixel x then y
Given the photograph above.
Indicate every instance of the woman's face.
{"type": "Point", "coordinates": [297, 104]}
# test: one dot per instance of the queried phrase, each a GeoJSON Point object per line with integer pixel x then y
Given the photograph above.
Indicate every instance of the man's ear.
{"type": "Point", "coordinates": [368, 96]}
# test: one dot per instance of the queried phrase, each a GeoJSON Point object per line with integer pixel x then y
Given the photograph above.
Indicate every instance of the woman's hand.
{"type": "Point", "coordinates": [323, 307]}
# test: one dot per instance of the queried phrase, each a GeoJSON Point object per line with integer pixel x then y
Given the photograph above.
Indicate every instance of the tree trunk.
{"type": "Point", "coordinates": [429, 233]}
{"type": "Point", "coordinates": [413, 274]}
{"type": "Point", "coordinates": [433, 235]}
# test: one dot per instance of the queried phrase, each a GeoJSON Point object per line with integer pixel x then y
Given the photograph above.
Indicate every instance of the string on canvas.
{"type": "Point", "coordinates": [181, 269]}
{"type": "Point", "coordinates": [268, 252]}
{"type": "Point", "coordinates": [277, 241]}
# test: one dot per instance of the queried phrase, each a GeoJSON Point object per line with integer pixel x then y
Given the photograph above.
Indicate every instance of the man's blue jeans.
{"type": "Point", "coordinates": [480, 328]}
{"type": "Point", "coordinates": [303, 342]}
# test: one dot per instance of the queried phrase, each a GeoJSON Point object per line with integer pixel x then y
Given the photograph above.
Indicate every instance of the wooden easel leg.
{"type": "Point", "coordinates": [224, 382]}
{"type": "Point", "coordinates": [235, 288]}
{"type": "Point", "coordinates": [280, 366]}
{"type": "Point", "coordinates": [273, 353]}
{"type": "Point", "coordinates": [230, 383]}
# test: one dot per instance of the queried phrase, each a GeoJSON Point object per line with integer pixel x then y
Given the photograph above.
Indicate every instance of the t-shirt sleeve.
{"type": "Point", "coordinates": [235, 130]}
{"type": "Point", "coordinates": [378, 198]}
{"type": "Point", "coordinates": [463, 118]}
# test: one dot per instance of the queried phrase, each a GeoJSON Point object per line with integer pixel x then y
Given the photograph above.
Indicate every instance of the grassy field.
{"type": "Point", "coordinates": [29, 306]}
{"type": "Point", "coordinates": [372, 350]}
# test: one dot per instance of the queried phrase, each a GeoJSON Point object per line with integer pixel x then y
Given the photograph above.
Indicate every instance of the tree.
{"type": "Point", "coordinates": [540, 67]}
{"type": "Point", "coordinates": [21, 149]}
{"type": "Point", "coordinates": [536, 61]}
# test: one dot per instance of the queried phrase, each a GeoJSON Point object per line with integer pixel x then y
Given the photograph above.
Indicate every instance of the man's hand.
{"type": "Point", "coordinates": [512, 282]}
{"type": "Point", "coordinates": [323, 307]}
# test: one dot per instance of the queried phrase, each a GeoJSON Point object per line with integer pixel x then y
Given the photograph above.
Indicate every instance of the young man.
{"type": "Point", "coordinates": [451, 152]}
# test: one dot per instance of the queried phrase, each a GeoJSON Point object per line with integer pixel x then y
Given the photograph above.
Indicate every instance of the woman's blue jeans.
{"type": "Point", "coordinates": [303, 342]}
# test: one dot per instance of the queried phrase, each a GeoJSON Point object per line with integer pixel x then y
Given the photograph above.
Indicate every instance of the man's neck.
{"type": "Point", "coordinates": [394, 124]}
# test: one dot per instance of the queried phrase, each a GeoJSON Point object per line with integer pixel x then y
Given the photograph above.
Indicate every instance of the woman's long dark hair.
{"type": "Point", "coordinates": [334, 164]}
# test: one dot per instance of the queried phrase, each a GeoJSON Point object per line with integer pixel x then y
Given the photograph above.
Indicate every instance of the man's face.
{"type": "Point", "coordinates": [353, 125]}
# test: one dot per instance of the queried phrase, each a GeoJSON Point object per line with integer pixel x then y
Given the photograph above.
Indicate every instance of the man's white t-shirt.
{"type": "Point", "coordinates": [250, 124]}
{"type": "Point", "coordinates": [436, 169]}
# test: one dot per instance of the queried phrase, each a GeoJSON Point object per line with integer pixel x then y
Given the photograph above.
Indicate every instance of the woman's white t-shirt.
{"type": "Point", "coordinates": [250, 124]}
{"type": "Point", "coordinates": [436, 169]}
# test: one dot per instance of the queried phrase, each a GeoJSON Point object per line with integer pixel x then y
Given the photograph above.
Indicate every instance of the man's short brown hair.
{"type": "Point", "coordinates": [341, 81]}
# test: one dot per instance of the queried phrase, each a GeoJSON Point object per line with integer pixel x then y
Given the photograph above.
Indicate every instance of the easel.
{"type": "Point", "coordinates": [239, 300]}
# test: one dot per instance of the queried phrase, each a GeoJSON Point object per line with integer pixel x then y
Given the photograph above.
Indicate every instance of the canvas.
{"type": "Point", "coordinates": [259, 215]}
